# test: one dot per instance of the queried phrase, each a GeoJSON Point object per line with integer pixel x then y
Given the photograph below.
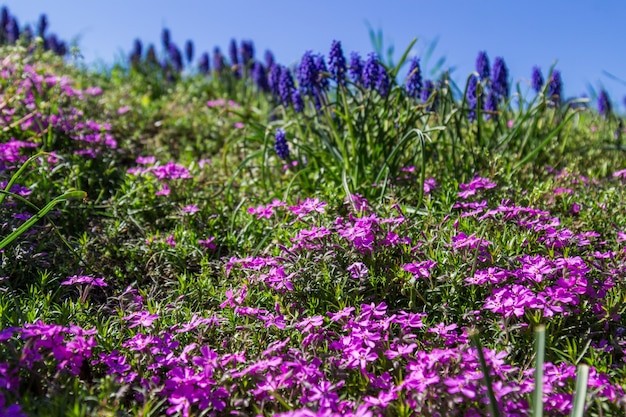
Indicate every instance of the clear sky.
{"type": "Point", "coordinates": [585, 38]}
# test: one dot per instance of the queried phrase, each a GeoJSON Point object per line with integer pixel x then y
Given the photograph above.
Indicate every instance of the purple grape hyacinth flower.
{"type": "Point", "coordinates": [555, 87]}
{"type": "Point", "coordinates": [604, 103]}
{"type": "Point", "coordinates": [273, 79]}
{"type": "Point", "coordinates": [383, 84]}
{"type": "Point", "coordinates": [471, 97]}
{"type": "Point", "coordinates": [42, 25]}
{"type": "Point", "coordinates": [285, 86]}
{"type": "Point", "coordinates": [427, 91]}
{"type": "Point", "coordinates": [203, 64]}
{"type": "Point", "coordinates": [337, 62]}
{"type": "Point", "coordinates": [307, 73]}
{"type": "Point", "coordinates": [247, 52]}
{"type": "Point", "coordinates": [499, 78]}
{"type": "Point", "coordinates": [537, 79]}
{"type": "Point", "coordinates": [491, 106]}
{"type": "Point", "coordinates": [166, 38]}
{"type": "Point", "coordinates": [371, 71]}
{"type": "Point", "coordinates": [189, 50]}
{"type": "Point", "coordinates": [296, 100]}
{"type": "Point", "coordinates": [269, 59]}
{"type": "Point", "coordinates": [482, 65]}
{"type": "Point", "coordinates": [259, 75]}
{"type": "Point", "coordinates": [218, 60]}
{"type": "Point", "coordinates": [414, 82]}
{"type": "Point", "coordinates": [321, 69]}
{"type": "Point", "coordinates": [356, 68]}
{"type": "Point", "coordinates": [233, 52]}
{"type": "Point", "coordinates": [280, 146]}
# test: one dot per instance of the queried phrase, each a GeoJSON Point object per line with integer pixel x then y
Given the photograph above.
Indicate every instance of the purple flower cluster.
{"type": "Point", "coordinates": [280, 145]}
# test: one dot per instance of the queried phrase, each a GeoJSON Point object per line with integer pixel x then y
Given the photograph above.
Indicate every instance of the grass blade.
{"type": "Point", "coordinates": [540, 349]}
{"type": "Point", "coordinates": [582, 377]}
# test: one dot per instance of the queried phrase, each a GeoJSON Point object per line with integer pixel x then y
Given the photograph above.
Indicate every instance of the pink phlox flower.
{"type": "Point", "coordinates": [429, 185]}
{"type": "Point", "coordinates": [535, 268]}
{"type": "Point", "coordinates": [382, 400]}
{"type": "Point", "coordinates": [165, 190]}
{"type": "Point", "coordinates": [373, 310]}
{"type": "Point", "coordinates": [358, 270]}
{"type": "Point", "coordinates": [277, 279]}
{"type": "Point", "coordinates": [491, 275]}
{"type": "Point", "coordinates": [170, 240]}
{"type": "Point", "coordinates": [123, 110]}
{"type": "Point", "coordinates": [420, 269]}
{"type": "Point", "coordinates": [309, 323]}
{"type": "Point", "coordinates": [400, 350]}
{"type": "Point", "coordinates": [341, 314]}
{"type": "Point", "coordinates": [276, 320]}
{"type": "Point", "coordinates": [190, 209]}
{"type": "Point", "coordinates": [461, 385]}
{"type": "Point", "coordinates": [309, 205]}
{"type": "Point", "coordinates": [478, 183]}
{"type": "Point", "coordinates": [462, 241]}
{"type": "Point", "coordinates": [359, 356]}
{"type": "Point", "coordinates": [193, 324]}
{"type": "Point", "coordinates": [171, 171]}
{"type": "Point", "coordinates": [141, 318]}
{"type": "Point", "coordinates": [208, 243]}
{"type": "Point", "coordinates": [620, 174]}
{"type": "Point", "coordinates": [261, 212]}
{"type": "Point", "coordinates": [145, 160]}
{"type": "Point", "coordinates": [83, 279]}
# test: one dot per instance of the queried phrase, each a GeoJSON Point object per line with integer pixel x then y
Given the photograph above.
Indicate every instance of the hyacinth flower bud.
{"type": "Point", "coordinates": [482, 65]}
{"type": "Point", "coordinates": [42, 25]}
{"type": "Point", "coordinates": [176, 57]}
{"type": "Point", "coordinates": [27, 34]}
{"type": "Point", "coordinates": [383, 84]}
{"type": "Point", "coordinates": [285, 86]}
{"type": "Point", "coordinates": [296, 100]}
{"type": "Point", "coordinates": [413, 81]}
{"type": "Point", "coordinates": [555, 87]}
{"type": "Point", "coordinates": [233, 52]}
{"type": "Point", "coordinates": [371, 71]}
{"type": "Point", "coordinates": [273, 80]}
{"type": "Point", "coordinates": [280, 146]}
{"type": "Point", "coordinates": [307, 73]}
{"type": "Point", "coordinates": [151, 55]}
{"type": "Point", "coordinates": [269, 59]}
{"type": "Point", "coordinates": [218, 60]}
{"type": "Point", "coordinates": [13, 30]}
{"type": "Point", "coordinates": [52, 43]}
{"type": "Point", "coordinates": [337, 63]}
{"type": "Point", "coordinates": [247, 52]}
{"type": "Point", "coordinates": [61, 49]}
{"type": "Point", "coordinates": [604, 104]}
{"type": "Point", "coordinates": [189, 50]}
{"type": "Point", "coordinates": [4, 17]}
{"type": "Point", "coordinates": [427, 92]}
{"type": "Point", "coordinates": [499, 78]}
{"type": "Point", "coordinates": [259, 75]}
{"type": "Point", "coordinates": [135, 55]}
{"type": "Point", "coordinates": [166, 38]}
{"type": "Point", "coordinates": [471, 97]}
{"type": "Point", "coordinates": [203, 64]}
{"type": "Point", "coordinates": [537, 79]}
{"type": "Point", "coordinates": [356, 68]}
{"type": "Point", "coordinates": [321, 70]}
{"type": "Point", "coordinates": [491, 105]}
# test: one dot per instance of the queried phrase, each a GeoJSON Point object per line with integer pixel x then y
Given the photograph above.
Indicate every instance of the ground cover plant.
{"type": "Point", "coordinates": [233, 236]}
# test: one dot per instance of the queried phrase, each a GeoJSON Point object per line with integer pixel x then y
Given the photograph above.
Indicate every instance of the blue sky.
{"type": "Point", "coordinates": [584, 38]}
